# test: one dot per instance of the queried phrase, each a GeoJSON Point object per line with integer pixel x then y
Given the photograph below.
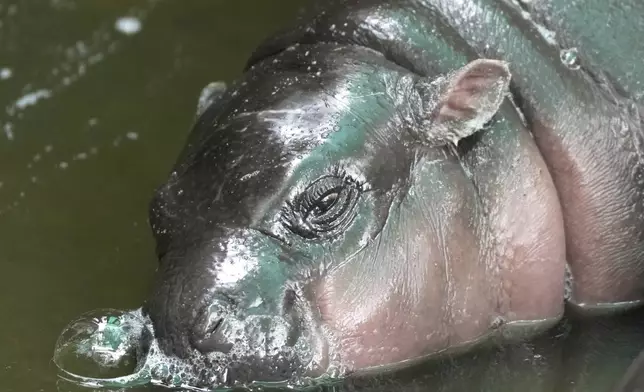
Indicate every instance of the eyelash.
{"type": "Point", "coordinates": [340, 172]}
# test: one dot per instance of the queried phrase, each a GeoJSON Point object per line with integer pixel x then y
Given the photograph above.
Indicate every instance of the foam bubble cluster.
{"type": "Point", "coordinates": [260, 353]}
{"type": "Point", "coordinates": [116, 349]}
{"type": "Point", "coordinates": [110, 348]}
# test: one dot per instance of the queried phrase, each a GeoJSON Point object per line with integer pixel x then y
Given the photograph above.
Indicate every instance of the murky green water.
{"type": "Point", "coordinates": [95, 113]}
{"type": "Point", "coordinates": [93, 120]}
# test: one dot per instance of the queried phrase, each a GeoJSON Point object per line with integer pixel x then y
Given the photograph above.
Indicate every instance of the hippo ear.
{"type": "Point", "coordinates": [209, 95]}
{"type": "Point", "coordinates": [465, 100]}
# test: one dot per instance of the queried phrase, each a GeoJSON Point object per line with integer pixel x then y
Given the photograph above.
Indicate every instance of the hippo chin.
{"type": "Point", "coordinates": [391, 180]}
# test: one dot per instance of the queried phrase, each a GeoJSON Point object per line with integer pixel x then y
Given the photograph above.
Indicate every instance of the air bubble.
{"type": "Point", "coordinates": [5, 73]}
{"type": "Point", "coordinates": [160, 370]}
{"type": "Point", "coordinates": [128, 25]}
{"type": "Point", "coordinates": [104, 348]}
{"type": "Point", "coordinates": [132, 135]}
{"type": "Point", "coordinates": [97, 345]}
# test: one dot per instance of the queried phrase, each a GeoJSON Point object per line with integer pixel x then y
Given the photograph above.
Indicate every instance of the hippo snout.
{"type": "Point", "coordinates": [229, 303]}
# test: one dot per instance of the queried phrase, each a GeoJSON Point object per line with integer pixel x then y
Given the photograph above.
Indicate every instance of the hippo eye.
{"type": "Point", "coordinates": [324, 206]}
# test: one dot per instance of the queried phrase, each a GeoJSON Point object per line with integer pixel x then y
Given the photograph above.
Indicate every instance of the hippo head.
{"type": "Point", "coordinates": [294, 233]}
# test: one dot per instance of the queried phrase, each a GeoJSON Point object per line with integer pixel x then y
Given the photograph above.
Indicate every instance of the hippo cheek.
{"type": "Point", "coordinates": [393, 300]}
{"type": "Point", "coordinates": [429, 282]}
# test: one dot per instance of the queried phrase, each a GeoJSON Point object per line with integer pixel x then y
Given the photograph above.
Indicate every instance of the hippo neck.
{"type": "Point", "coordinates": [428, 37]}
{"type": "Point", "coordinates": [412, 34]}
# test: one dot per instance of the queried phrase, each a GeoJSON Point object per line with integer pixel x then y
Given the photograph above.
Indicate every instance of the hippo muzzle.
{"type": "Point", "coordinates": [230, 307]}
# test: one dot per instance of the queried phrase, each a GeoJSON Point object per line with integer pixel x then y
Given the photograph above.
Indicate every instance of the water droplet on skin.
{"type": "Point", "coordinates": [570, 58]}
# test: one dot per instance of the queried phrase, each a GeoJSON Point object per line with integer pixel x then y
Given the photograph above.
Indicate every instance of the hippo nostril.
{"type": "Point", "coordinates": [212, 338]}
{"type": "Point", "coordinates": [214, 326]}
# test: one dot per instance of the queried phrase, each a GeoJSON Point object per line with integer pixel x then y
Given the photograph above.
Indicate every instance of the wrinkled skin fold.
{"type": "Point", "coordinates": [390, 180]}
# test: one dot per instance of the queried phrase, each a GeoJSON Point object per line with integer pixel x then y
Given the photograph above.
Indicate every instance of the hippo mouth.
{"type": "Point", "coordinates": [122, 346]}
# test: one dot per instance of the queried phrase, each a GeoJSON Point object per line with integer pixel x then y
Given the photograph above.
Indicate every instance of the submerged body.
{"type": "Point", "coordinates": [395, 179]}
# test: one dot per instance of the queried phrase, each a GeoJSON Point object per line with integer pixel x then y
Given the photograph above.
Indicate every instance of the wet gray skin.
{"type": "Point", "coordinates": [365, 196]}
{"type": "Point", "coordinates": [364, 206]}
{"type": "Point", "coordinates": [290, 208]}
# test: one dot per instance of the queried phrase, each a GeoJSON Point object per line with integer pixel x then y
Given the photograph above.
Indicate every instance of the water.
{"type": "Point", "coordinates": [98, 97]}
{"type": "Point", "coordinates": [91, 120]}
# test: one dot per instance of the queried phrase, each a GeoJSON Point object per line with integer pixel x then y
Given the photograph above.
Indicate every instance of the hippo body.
{"type": "Point", "coordinates": [392, 180]}
{"type": "Point", "coordinates": [552, 95]}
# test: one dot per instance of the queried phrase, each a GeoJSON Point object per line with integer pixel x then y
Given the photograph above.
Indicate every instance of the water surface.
{"type": "Point", "coordinates": [94, 112]}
